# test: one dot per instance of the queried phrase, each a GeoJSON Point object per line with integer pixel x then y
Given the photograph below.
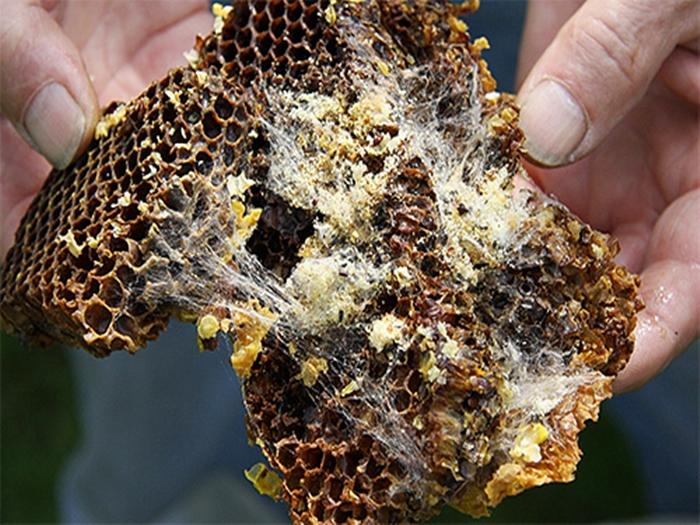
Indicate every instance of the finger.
{"type": "Point", "coordinates": [127, 44]}
{"type": "Point", "coordinates": [668, 323]}
{"type": "Point", "coordinates": [670, 290]}
{"type": "Point", "coordinates": [16, 192]}
{"type": "Point", "coordinates": [634, 239]}
{"type": "Point", "coordinates": [598, 67]}
{"type": "Point", "coordinates": [681, 74]}
{"type": "Point", "coordinates": [675, 236]}
{"type": "Point", "coordinates": [46, 92]}
{"type": "Point", "coordinates": [543, 21]}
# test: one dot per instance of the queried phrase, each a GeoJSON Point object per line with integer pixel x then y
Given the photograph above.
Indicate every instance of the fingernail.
{"type": "Point", "coordinates": [553, 123]}
{"type": "Point", "coordinates": [55, 124]}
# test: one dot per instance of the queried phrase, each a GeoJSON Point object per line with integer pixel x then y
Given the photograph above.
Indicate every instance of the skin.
{"type": "Point", "coordinates": [631, 65]}
{"type": "Point", "coordinates": [639, 177]}
{"type": "Point", "coordinates": [123, 49]}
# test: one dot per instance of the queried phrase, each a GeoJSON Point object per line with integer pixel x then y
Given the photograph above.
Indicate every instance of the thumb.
{"type": "Point", "coordinates": [44, 89]}
{"type": "Point", "coordinates": [597, 68]}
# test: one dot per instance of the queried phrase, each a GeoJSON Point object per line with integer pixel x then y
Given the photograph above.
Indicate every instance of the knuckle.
{"type": "Point", "coordinates": [609, 44]}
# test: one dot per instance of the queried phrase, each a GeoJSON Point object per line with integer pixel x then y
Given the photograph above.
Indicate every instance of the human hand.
{"type": "Point", "coordinates": [614, 87]}
{"type": "Point", "coordinates": [58, 59]}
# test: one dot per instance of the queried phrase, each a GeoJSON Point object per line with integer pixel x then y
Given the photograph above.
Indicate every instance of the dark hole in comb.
{"type": "Point", "coordinates": [287, 456]}
{"type": "Point", "coordinates": [264, 44]}
{"type": "Point", "coordinates": [294, 478]}
{"type": "Point", "coordinates": [223, 108]}
{"type": "Point", "coordinates": [117, 344]}
{"type": "Point", "coordinates": [91, 289]}
{"type": "Point", "coordinates": [125, 325]}
{"type": "Point", "coordinates": [335, 489]}
{"type": "Point", "coordinates": [276, 8]}
{"type": "Point", "coordinates": [300, 53]}
{"type": "Point", "coordinates": [187, 186]}
{"type": "Point", "coordinates": [361, 484]}
{"type": "Point", "coordinates": [312, 457]}
{"type": "Point", "coordinates": [248, 75]}
{"type": "Point", "coordinates": [294, 11]}
{"type": "Point", "coordinates": [298, 70]}
{"type": "Point", "coordinates": [240, 114]}
{"type": "Point", "coordinates": [261, 22]}
{"type": "Point", "coordinates": [204, 163]}
{"type": "Point", "coordinates": [241, 13]}
{"type": "Point", "coordinates": [414, 382]}
{"type": "Point", "coordinates": [111, 292]}
{"type": "Point", "coordinates": [184, 169]}
{"type": "Point", "coordinates": [343, 513]}
{"type": "Point", "coordinates": [119, 168]}
{"type": "Point", "coordinates": [373, 468]}
{"type": "Point", "coordinates": [133, 160]}
{"type": "Point", "coordinates": [229, 52]}
{"type": "Point", "coordinates": [125, 274]}
{"type": "Point", "coordinates": [359, 513]}
{"type": "Point", "coordinates": [142, 191]}
{"type": "Point", "coordinates": [247, 56]}
{"type": "Point", "coordinates": [313, 483]}
{"type": "Point", "coordinates": [332, 47]}
{"type": "Point", "coordinates": [233, 131]}
{"type": "Point", "coordinates": [281, 48]}
{"type": "Point", "coordinates": [106, 267]}
{"type": "Point", "coordinates": [318, 511]}
{"type": "Point", "coordinates": [118, 245]}
{"type": "Point", "coordinates": [381, 484]}
{"type": "Point", "coordinates": [67, 295]}
{"type": "Point", "coordinates": [311, 18]}
{"type": "Point", "coordinates": [130, 212]}
{"type": "Point", "coordinates": [193, 116]}
{"type": "Point", "coordinates": [169, 113]}
{"type": "Point", "coordinates": [314, 39]}
{"type": "Point", "coordinates": [280, 232]}
{"type": "Point", "coordinates": [98, 318]}
{"type": "Point", "coordinates": [84, 261]}
{"type": "Point", "coordinates": [175, 199]}
{"type": "Point", "coordinates": [260, 142]}
{"type": "Point", "coordinates": [212, 129]}
{"type": "Point", "coordinates": [232, 69]}
{"type": "Point", "coordinates": [227, 154]}
{"type": "Point", "coordinates": [402, 400]}
{"type": "Point", "coordinates": [139, 230]}
{"type": "Point", "coordinates": [350, 462]}
{"type": "Point", "coordinates": [278, 27]}
{"type": "Point", "coordinates": [144, 153]}
{"type": "Point", "coordinates": [138, 309]}
{"type": "Point", "coordinates": [244, 37]}
{"type": "Point", "coordinates": [296, 33]}
{"type": "Point", "coordinates": [180, 136]}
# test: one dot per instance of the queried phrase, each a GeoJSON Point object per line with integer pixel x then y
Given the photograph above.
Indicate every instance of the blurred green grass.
{"type": "Point", "coordinates": [39, 428]}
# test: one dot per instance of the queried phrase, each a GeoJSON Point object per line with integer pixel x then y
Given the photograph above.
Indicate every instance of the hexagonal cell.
{"type": "Point", "coordinates": [98, 317]}
{"type": "Point", "coordinates": [261, 22]}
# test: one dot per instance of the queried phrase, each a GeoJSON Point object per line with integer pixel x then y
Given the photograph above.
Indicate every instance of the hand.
{"type": "Point", "coordinates": [58, 59]}
{"type": "Point", "coordinates": [616, 84]}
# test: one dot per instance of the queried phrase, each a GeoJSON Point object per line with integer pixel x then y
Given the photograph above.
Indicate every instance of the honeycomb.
{"type": "Point", "coordinates": [333, 191]}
